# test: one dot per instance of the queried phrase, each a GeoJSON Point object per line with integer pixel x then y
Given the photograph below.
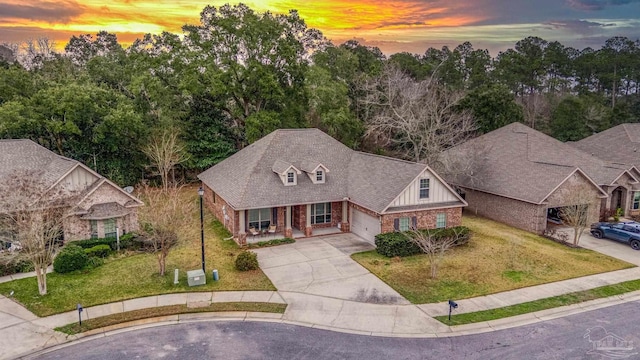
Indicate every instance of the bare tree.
{"type": "Point", "coordinates": [434, 244]}
{"type": "Point", "coordinates": [33, 215]}
{"type": "Point", "coordinates": [162, 218]}
{"type": "Point", "coordinates": [582, 202]}
{"type": "Point", "coordinates": [417, 118]}
{"type": "Point", "coordinates": [34, 52]}
{"type": "Point", "coordinates": [166, 151]}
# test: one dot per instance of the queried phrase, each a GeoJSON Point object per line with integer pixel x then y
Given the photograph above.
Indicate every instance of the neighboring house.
{"type": "Point", "coordinates": [523, 177]}
{"type": "Point", "coordinates": [621, 145]}
{"type": "Point", "coordinates": [101, 205]}
{"type": "Point", "coordinates": [302, 181]}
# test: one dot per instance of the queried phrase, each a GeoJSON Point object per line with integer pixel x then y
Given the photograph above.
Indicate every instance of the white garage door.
{"type": "Point", "coordinates": [364, 225]}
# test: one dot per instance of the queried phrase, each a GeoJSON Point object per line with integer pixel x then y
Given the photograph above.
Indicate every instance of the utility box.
{"type": "Point", "coordinates": [196, 277]}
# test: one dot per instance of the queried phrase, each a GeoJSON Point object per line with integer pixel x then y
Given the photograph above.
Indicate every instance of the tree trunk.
{"type": "Point", "coordinates": [161, 263]}
{"type": "Point", "coordinates": [41, 277]}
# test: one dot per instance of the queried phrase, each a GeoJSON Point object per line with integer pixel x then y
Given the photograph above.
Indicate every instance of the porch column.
{"type": "Point", "coordinates": [344, 226]}
{"type": "Point", "coordinates": [288, 232]}
{"type": "Point", "coordinates": [242, 235]}
{"type": "Point", "coordinates": [307, 229]}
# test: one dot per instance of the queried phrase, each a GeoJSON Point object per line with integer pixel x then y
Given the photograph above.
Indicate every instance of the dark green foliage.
{"type": "Point", "coordinates": [492, 106]}
{"type": "Point", "coordinates": [94, 262]}
{"type": "Point", "coordinates": [271, 243]}
{"type": "Point", "coordinates": [247, 260]}
{"type": "Point", "coordinates": [398, 243]}
{"type": "Point", "coordinates": [395, 244]}
{"type": "Point", "coordinates": [101, 251]}
{"type": "Point", "coordinates": [129, 241]}
{"type": "Point", "coordinates": [13, 265]}
{"type": "Point", "coordinates": [71, 258]}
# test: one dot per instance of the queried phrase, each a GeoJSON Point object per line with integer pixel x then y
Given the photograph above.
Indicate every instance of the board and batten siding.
{"type": "Point", "coordinates": [78, 179]}
{"type": "Point", "coordinates": [438, 192]}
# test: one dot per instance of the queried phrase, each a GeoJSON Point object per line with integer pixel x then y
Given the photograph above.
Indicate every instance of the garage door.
{"type": "Point", "coordinates": [364, 225]}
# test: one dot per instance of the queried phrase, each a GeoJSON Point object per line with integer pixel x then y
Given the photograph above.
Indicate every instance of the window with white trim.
{"type": "Point", "coordinates": [636, 200]}
{"type": "Point", "coordinates": [94, 228]}
{"type": "Point", "coordinates": [441, 220]}
{"type": "Point", "coordinates": [321, 213]}
{"type": "Point", "coordinates": [291, 177]}
{"type": "Point", "coordinates": [424, 188]}
{"type": "Point", "coordinates": [259, 219]}
{"type": "Point", "coordinates": [109, 228]}
{"type": "Point", "coordinates": [320, 176]}
{"type": "Point", "coordinates": [404, 224]}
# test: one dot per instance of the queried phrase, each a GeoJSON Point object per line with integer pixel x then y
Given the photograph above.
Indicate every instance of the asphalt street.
{"type": "Point", "coordinates": [608, 333]}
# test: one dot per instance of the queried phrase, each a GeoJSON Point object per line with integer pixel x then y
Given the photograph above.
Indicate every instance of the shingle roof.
{"type": "Point", "coordinates": [246, 179]}
{"type": "Point", "coordinates": [525, 164]}
{"type": "Point", "coordinates": [619, 144]}
{"type": "Point", "coordinates": [26, 155]}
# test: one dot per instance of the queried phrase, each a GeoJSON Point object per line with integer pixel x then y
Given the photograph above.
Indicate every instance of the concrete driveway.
{"type": "Point", "coordinates": [322, 266]}
{"type": "Point", "coordinates": [610, 247]}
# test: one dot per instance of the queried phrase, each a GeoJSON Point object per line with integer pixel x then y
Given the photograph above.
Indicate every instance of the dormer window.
{"type": "Point", "coordinates": [288, 173]}
{"type": "Point", "coordinates": [320, 176]}
{"type": "Point", "coordinates": [316, 172]}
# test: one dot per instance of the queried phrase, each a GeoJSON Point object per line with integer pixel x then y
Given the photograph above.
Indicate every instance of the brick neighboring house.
{"type": "Point", "coordinates": [101, 205]}
{"type": "Point", "coordinates": [621, 145]}
{"type": "Point", "coordinates": [522, 177]}
{"type": "Point", "coordinates": [303, 180]}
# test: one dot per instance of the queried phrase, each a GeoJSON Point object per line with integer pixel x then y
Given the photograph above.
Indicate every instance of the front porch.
{"type": "Point", "coordinates": [297, 234]}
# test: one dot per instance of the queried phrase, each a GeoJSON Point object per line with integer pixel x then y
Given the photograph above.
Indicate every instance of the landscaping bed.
{"type": "Point", "coordinates": [133, 275]}
{"type": "Point", "coordinates": [497, 258]}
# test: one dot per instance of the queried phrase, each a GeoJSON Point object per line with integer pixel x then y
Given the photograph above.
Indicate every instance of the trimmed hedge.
{"type": "Point", "coordinates": [394, 244]}
{"type": "Point", "coordinates": [71, 258]}
{"type": "Point", "coordinates": [268, 243]}
{"type": "Point", "coordinates": [101, 251]}
{"type": "Point", "coordinates": [247, 260]}
{"type": "Point", "coordinates": [127, 242]}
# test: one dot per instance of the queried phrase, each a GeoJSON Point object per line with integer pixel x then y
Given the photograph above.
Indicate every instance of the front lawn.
{"type": "Point", "coordinates": [122, 278]}
{"type": "Point", "coordinates": [498, 258]}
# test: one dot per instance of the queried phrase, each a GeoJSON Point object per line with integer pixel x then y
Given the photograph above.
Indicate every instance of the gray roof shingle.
{"type": "Point", "coordinates": [246, 179]}
{"type": "Point", "coordinates": [26, 155]}
{"type": "Point", "coordinates": [522, 163]}
{"type": "Point", "coordinates": [619, 144]}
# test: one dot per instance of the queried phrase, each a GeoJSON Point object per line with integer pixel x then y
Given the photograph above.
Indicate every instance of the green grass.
{"type": "Point", "coordinates": [497, 258]}
{"type": "Point", "coordinates": [126, 277]}
{"type": "Point", "coordinates": [542, 304]}
{"type": "Point", "coordinates": [104, 321]}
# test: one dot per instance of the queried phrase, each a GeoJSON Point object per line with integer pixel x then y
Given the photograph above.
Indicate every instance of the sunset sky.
{"type": "Point", "coordinates": [393, 26]}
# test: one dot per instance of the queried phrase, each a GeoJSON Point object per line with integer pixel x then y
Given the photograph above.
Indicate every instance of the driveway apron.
{"type": "Point", "coordinates": [323, 266]}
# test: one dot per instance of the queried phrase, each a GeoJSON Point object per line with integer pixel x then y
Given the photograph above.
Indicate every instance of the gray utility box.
{"type": "Point", "coordinates": [196, 277]}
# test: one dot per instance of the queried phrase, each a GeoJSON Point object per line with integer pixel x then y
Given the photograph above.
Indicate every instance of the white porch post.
{"type": "Point", "coordinates": [288, 231]}
{"type": "Point", "coordinates": [344, 226]}
{"type": "Point", "coordinates": [307, 230]}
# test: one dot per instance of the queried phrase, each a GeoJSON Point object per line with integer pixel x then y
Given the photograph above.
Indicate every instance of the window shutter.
{"type": "Point", "coordinates": [396, 224]}
{"type": "Point", "coordinates": [414, 223]}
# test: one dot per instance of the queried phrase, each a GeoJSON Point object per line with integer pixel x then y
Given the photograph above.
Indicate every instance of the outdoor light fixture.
{"type": "Point", "coordinates": [79, 307]}
{"type": "Point", "coordinates": [452, 305]}
{"type": "Point", "coordinates": [201, 193]}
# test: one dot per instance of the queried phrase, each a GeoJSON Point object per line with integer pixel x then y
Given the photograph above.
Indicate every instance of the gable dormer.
{"type": "Point", "coordinates": [288, 173]}
{"type": "Point", "coordinates": [316, 171]}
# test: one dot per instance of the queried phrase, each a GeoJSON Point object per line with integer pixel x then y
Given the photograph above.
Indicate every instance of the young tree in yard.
{"type": "Point", "coordinates": [435, 245]}
{"type": "Point", "coordinates": [419, 119]}
{"type": "Point", "coordinates": [166, 151]}
{"type": "Point", "coordinates": [33, 214]}
{"type": "Point", "coordinates": [161, 219]}
{"type": "Point", "coordinates": [577, 215]}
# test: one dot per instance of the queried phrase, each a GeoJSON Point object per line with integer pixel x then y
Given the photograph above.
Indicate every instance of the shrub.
{"type": "Point", "coordinates": [398, 244]}
{"type": "Point", "coordinates": [94, 262]}
{"type": "Point", "coordinates": [247, 260]}
{"type": "Point", "coordinates": [101, 251]}
{"type": "Point", "coordinates": [12, 264]}
{"type": "Point", "coordinates": [127, 242]}
{"type": "Point", "coordinates": [71, 258]}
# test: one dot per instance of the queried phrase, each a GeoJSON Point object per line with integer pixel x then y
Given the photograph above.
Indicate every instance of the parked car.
{"type": "Point", "coordinates": [626, 232]}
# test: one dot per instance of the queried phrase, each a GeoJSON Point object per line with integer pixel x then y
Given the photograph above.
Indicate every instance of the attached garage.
{"type": "Point", "coordinates": [364, 225]}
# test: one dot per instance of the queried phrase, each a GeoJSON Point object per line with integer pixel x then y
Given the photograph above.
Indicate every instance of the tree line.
{"type": "Point", "coordinates": [240, 74]}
